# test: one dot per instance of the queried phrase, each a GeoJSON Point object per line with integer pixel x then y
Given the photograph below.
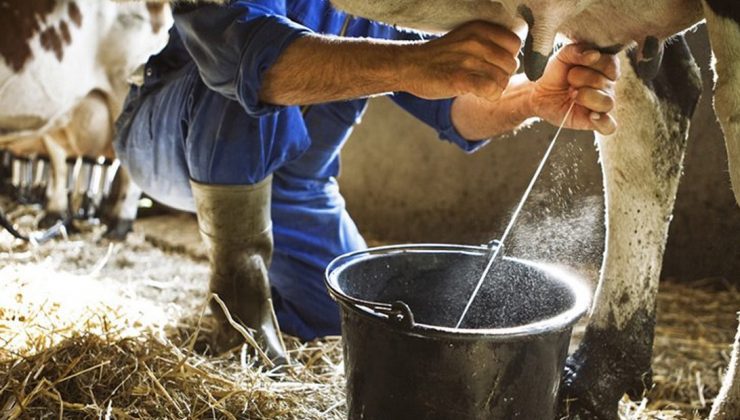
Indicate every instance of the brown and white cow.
{"type": "Point", "coordinates": [642, 162]}
{"type": "Point", "coordinates": [64, 74]}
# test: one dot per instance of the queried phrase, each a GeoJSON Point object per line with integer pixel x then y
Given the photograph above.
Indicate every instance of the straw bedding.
{"type": "Point", "coordinates": [95, 330]}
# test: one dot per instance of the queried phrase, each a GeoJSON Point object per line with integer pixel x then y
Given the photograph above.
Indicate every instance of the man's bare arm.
{"type": "Point", "coordinates": [316, 68]}
{"type": "Point", "coordinates": [477, 58]}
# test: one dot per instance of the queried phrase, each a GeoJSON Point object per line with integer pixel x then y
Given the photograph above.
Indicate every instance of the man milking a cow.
{"type": "Point", "coordinates": [241, 119]}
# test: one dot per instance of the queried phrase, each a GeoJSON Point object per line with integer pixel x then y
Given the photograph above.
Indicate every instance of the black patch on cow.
{"type": "Point", "coordinates": [726, 8]}
{"type": "Point", "coordinates": [677, 81]}
{"type": "Point", "coordinates": [19, 22]}
{"type": "Point", "coordinates": [607, 364]}
{"type": "Point", "coordinates": [156, 15]}
{"type": "Point", "coordinates": [75, 14]}
{"type": "Point", "coordinates": [52, 41]}
{"type": "Point", "coordinates": [64, 31]}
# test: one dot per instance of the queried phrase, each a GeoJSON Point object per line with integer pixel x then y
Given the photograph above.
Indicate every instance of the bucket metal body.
{"type": "Point", "coordinates": [405, 360]}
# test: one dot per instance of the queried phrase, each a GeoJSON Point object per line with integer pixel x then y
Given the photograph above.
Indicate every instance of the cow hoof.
{"type": "Point", "coordinates": [573, 410]}
{"type": "Point", "coordinates": [582, 399]}
{"type": "Point", "coordinates": [604, 368]}
{"type": "Point", "coordinates": [118, 229]}
{"type": "Point", "coordinates": [51, 218]}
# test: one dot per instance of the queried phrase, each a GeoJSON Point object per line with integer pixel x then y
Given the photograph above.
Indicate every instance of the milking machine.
{"type": "Point", "coordinates": [27, 179]}
{"type": "Point", "coordinates": [5, 172]}
{"type": "Point", "coordinates": [88, 184]}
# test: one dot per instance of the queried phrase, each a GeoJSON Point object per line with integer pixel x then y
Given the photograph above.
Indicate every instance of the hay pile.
{"type": "Point", "coordinates": [94, 330]}
{"type": "Point", "coordinates": [696, 325]}
{"type": "Point", "coordinates": [73, 348]}
{"type": "Point", "coordinates": [146, 376]}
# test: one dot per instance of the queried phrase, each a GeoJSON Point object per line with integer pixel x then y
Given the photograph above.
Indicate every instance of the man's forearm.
{"type": "Point", "coordinates": [476, 58]}
{"type": "Point", "coordinates": [476, 118]}
{"type": "Point", "coordinates": [316, 68]}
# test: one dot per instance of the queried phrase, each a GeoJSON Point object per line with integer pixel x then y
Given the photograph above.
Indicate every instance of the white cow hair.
{"type": "Point", "coordinates": [727, 406]}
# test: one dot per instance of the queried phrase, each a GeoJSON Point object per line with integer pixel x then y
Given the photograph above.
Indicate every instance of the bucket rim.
{"type": "Point", "coordinates": [391, 315]}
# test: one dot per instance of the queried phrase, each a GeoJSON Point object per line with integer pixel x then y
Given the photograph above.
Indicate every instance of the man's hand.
{"type": "Point", "coordinates": [476, 58]}
{"type": "Point", "coordinates": [578, 73]}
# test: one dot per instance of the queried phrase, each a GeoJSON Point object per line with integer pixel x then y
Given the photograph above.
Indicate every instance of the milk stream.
{"type": "Point", "coordinates": [499, 249]}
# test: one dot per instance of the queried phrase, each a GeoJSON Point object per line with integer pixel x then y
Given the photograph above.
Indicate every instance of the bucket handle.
{"type": "Point", "coordinates": [397, 312]}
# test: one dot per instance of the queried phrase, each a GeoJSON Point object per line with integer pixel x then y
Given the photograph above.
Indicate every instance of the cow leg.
{"type": "Point", "coordinates": [727, 404]}
{"type": "Point", "coordinates": [56, 192]}
{"type": "Point", "coordinates": [641, 164]}
{"type": "Point", "coordinates": [723, 25]}
{"type": "Point", "coordinates": [121, 206]}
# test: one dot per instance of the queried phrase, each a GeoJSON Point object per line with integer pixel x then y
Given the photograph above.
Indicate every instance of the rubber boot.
{"type": "Point", "coordinates": [235, 224]}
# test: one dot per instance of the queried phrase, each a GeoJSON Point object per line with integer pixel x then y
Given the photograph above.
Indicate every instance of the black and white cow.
{"type": "Point", "coordinates": [642, 162]}
{"type": "Point", "coordinates": [64, 73]}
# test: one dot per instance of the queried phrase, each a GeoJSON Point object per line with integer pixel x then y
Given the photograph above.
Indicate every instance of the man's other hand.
{"type": "Point", "coordinates": [476, 58]}
{"type": "Point", "coordinates": [581, 74]}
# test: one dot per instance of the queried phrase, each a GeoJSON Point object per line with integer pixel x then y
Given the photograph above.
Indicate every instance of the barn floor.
{"type": "Point", "coordinates": [90, 328]}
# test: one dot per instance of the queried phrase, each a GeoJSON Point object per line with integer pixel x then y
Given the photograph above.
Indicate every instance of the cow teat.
{"type": "Point", "coordinates": [537, 46]}
{"type": "Point", "coordinates": [648, 57]}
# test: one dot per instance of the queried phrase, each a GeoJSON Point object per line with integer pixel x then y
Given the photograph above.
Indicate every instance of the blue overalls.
{"type": "Point", "coordinates": [198, 115]}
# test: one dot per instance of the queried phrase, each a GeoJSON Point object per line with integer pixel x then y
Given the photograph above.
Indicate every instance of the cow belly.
{"type": "Point", "coordinates": [618, 22]}
{"type": "Point", "coordinates": [30, 104]}
{"type": "Point", "coordinates": [431, 15]}
{"type": "Point", "coordinates": [602, 22]}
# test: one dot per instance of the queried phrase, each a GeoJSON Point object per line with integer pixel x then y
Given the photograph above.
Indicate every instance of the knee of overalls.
{"type": "Point", "coordinates": [150, 138]}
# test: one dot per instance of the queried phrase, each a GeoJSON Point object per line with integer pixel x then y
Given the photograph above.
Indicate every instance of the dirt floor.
{"type": "Point", "coordinates": [90, 328]}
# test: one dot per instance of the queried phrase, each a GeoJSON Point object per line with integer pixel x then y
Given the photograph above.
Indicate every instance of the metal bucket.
{"type": "Point", "coordinates": [404, 358]}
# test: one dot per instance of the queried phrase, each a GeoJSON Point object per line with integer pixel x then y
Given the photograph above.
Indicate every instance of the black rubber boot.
{"type": "Point", "coordinates": [235, 223]}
